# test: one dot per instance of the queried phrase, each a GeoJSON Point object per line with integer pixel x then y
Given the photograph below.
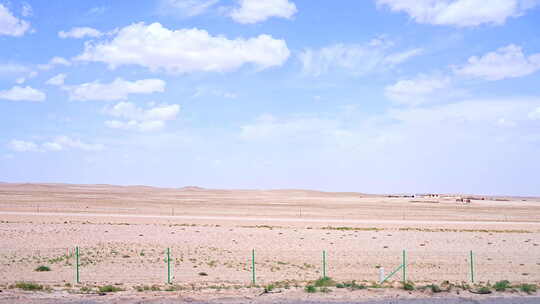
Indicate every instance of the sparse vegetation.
{"type": "Point", "coordinates": [501, 285]}
{"type": "Point", "coordinates": [434, 288]}
{"type": "Point", "coordinates": [42, 268]}
{"type": "Point", "coordinates": [28, 286]}
{"type": "Point", "coordinates": [86, 289]}
{"type": "Point", "coordinates": [528, 288]}
{"type": "Point", "coordinates": [109, 288]}
{"type": "Point", "coordinates": [352, 285]}
{"type": "Point", "coordinates": [352, 228]}
{"type": "Point", "coordinates": [174, 288]}
{"type": "Point", "coordinates": [310, 289]}
{"type": "Point", "coordinates": [464, 286]}
{"type": "Point", "coordinates": [408, 286]}
{"type": "Point", "coordinates": [482, 290]}
{"type": "Point", "coordinates": [147, 288]}
{"type": "Point", "coordinates": [268, 288]}
{"type": "Point", "coordinates": [324, 282]}
{"type": "Point", "coordinates": [463, 230]}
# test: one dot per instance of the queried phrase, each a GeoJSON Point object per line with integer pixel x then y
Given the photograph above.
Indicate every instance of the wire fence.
{"type": "Point", "coordinates": [211, 265]}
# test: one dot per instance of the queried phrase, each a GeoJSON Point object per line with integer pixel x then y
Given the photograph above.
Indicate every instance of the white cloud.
{"type": "Point", "coordinates": [184, 50]}
{"type": "Point", "coordinates": [186, 8]}
{"type": "Point", "coordinates": [18, 93]}
{"type": "Point", "coordinates": [59, 143]}
{"type": "Point", "coordinates": [203, 91]}
{"type": "Point", "coordinates": [471, 133]}
{"type": "Point", "coordinates": [253, 11]}
{"type": "Point", "coordinates": [80, 32]}
{"type": "Point", "coordinates": [13, 68]}
{"type": "Point", "coordinates": [535, 114]}
{"type": "Point", "coordinates": [481, 113]}
{"type": "Point", "coordinates": [460, 13]}
{"type": "Point", "coordinates": [55, 61]}
{"type": "Point", "coordinates": [397, 58]}
{"type": "Point", "coordinates": [65, 142]}
{"type": "Point", "coordinates": [26, 10]}
{"type": "Point", "coordinates": [57, 80]}
{"type": "Point", "coordinates": [117, 90]}
{"type": "Point", "coordinates": [52, 146]}
{"type": "Point", "coordinates": [142, 126]}
{"type": "Point", "coordinates": [20, 80]}
{"type": "Point", "coordinates": [98, 10]}
{"type": "Point", "coordinates": [355, 58]}
{"type": "Point", "coordinates": [505, 62]}
{"type": "Point", "coordinates": [11, 25]}
{"type": "Point", "coordinates": [419, 90]}
{"type": "Point", "coordinates": [302, 128]}
{"type": "Point", "coordinates": [474, 121]}
{"type": "Point", "coordinates": [22, 146]}
{"type": "Point", "coordinates": [140, 119]}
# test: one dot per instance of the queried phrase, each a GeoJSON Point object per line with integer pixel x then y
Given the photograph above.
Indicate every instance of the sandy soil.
{"type": "Point", "coordinates": [123, 234]}
{"type": "Point", "coordinates": [254, 296]}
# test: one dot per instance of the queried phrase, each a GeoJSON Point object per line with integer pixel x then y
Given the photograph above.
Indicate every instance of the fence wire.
{"type": "Point", "coordinates": [211, 265]}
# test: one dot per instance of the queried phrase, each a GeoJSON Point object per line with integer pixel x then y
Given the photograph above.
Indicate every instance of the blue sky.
{"type": "Point", "coordinates": [379, 96]}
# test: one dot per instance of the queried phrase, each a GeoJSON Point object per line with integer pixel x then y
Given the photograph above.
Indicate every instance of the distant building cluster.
{"type": "Point", "coordinates": [426, 195]}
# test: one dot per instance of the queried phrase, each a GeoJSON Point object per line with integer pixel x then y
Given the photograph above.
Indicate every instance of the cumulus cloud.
{"type": "Point", "coordinates": [117, 90]}
{"type": "Point", "coordinates": [505, 62]}
{"type": "Point", "coordinates": [140, 119]}
{"type": "Point", "coordinates": [419, 90]}
{"type": "Point", "coordinates": [58, 143]}
{"type": "Point", "coordinates": [185, 50]}
{"type": "Point", "coordinates": [26, 93]}
{"type": "Point", "coordinates": [357, 59]}
{"type": "Point", "coordinates": [57, 80]}
{"type": "Point", "coordinates": [11, 25]}
{"type": "Point", "coordinates": [80, 32]}
{"type": "Point", "coordinates": [253, 11]}
{"type": "Point", "coordinates": [460, 13]}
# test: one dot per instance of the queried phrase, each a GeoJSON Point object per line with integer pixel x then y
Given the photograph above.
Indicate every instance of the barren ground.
{"type": "Point", "coordinates": [123, 234]}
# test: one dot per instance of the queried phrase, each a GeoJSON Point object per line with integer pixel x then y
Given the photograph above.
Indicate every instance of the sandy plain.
{"type": "Point", "coordinates": [123, 234]}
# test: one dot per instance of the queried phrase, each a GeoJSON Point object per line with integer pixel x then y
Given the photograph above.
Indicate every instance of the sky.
{"type": "Point", "coordinates": [375, 96]}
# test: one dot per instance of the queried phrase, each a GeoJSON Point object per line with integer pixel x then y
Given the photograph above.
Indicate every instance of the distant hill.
{"type": "Point", "coordinates": [192, 188]}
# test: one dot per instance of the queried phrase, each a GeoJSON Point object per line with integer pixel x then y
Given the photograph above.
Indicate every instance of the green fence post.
{"type": "Point", "coordinates": [472, 266]}
{"type": "Point", "coordinates": [77, 263]}
{"type": "Point", "coordinates": [253, 266]}
{"type": "Point", "coordinates": [324, 263]}
{"type": "Point", "coordinates": [168, 266]}
{"type": "Point", "coordinates": [404, 263]}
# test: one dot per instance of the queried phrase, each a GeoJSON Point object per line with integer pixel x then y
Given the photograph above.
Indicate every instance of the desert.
{"type": "Point", "coordinates": [123, 234]}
